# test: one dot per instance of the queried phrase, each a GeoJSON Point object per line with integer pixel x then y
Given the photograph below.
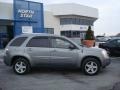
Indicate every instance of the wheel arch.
{"type": "Point", "coordinates": [90, 57]}
{"type": "Point", "coordinates": [18, 56]}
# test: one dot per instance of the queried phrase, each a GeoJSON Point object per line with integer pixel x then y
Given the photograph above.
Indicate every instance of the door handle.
{"type": "Point", "coordinates": [29, 49]}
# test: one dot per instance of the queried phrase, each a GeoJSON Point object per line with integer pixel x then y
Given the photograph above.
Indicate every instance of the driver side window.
{"type": "Point", "coordinates": [61, 43]}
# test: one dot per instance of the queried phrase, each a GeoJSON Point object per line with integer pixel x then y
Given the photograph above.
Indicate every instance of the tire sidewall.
{"type": "Point", "coordinates": [25, 62]}
{"type": "Point", "coordinates": [88, 60]}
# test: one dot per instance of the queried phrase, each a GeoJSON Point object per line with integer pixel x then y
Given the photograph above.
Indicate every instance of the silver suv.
{"type": "Point", "coordinates": [29, 50]}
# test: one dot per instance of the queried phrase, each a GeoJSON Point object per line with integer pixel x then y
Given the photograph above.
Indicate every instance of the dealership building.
{"type": "Point", "coordinates": [71, 20]}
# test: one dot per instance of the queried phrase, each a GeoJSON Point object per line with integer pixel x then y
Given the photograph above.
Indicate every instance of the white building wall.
{"type": "Point", "coordinates": [54, 12]}
{"type": "Point", "coordinates": [72, 9]}
{"type": "Point", "coordinates": [50, 21]}
{"type": "Point", "coordinates": [6, 11]}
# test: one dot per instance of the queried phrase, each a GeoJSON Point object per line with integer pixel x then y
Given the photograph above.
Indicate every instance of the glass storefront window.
{"type": "Point", "coordinates": [77, 21]}
{"type": "Point", "coordinates": [49, 30]}
{"type": "Point", "coordinates": [74, 34]}
{"type": "Point", "coordinates": [3, 29]}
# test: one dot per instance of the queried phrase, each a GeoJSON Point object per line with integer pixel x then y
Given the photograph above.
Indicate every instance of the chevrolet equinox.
{"type": "Point", "coordinates": [29, 50]}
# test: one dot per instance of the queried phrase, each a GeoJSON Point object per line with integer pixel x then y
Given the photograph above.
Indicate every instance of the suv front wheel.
{"type": "Point", "coordinates": [21, 66]}
{"type": "Point", "coordinates": [91, 66]}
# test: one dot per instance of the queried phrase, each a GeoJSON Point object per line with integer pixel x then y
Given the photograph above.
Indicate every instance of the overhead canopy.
{"type": "Point", "coordinates": [72, 9]}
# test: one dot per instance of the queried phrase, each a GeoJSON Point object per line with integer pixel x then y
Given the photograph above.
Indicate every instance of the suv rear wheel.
{"type": "Point", "coordinates": [21, 66]}
{"type": "Point", "coordinates": [91, 66]}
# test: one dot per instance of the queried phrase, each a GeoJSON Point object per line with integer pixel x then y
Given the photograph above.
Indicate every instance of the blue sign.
{"type": "Point", "coordinates": [28, 17]}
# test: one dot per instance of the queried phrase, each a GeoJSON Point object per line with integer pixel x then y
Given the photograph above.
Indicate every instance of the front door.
{"type": "Point", "coordinates": [61, 54]}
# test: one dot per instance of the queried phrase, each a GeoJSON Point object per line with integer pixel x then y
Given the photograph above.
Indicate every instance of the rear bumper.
{"type": "Point", "coordinates": [7, 60]}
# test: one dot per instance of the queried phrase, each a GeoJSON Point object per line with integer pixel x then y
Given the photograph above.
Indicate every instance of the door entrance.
{"type": "Point", "coordinates": [6, 34]}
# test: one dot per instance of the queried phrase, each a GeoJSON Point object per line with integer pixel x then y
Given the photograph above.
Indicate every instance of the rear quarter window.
{"type": "Point", "coordinates": [18, 41]}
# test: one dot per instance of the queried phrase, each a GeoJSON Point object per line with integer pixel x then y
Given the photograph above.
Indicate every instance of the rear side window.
{"type": "Point", "coordinates": [18, 41]}
{"type": "Point", "coordinates": [39, 42]}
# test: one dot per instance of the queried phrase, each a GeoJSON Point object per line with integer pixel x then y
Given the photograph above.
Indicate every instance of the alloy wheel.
{"type": "Point", "coordinates": [20, 67]}
{"type": "Point", "coordinates": [91, 67]}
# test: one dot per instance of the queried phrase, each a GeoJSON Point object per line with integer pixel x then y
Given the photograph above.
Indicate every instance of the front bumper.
{"type": "Point", "coordinates": [106, 62]}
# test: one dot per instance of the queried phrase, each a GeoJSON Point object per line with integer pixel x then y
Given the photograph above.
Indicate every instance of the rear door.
{"type": "Point", "coordinates": [38, 49]}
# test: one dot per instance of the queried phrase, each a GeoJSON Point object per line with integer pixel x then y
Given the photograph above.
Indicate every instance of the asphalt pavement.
{"type": "Point", "coordinates": [55, 79]}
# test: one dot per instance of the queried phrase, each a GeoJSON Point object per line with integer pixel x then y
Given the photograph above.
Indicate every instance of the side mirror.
{"type": "Point", "coordinates": [72, 47]}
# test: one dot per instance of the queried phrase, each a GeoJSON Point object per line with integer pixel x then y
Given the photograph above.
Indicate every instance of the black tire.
{"type": "Point", "coordinates": [86, 66]}
{"type": "Point", "coordinates": [18, 69]}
